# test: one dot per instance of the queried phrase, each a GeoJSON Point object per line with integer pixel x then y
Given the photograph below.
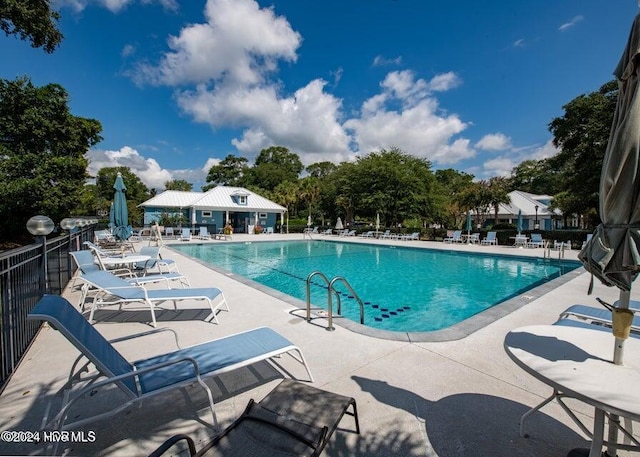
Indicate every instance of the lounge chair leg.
{"type": "Point", "coordinates": [153, 314]}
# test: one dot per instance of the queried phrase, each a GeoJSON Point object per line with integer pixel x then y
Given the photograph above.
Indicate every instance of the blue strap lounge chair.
{"type": "Point", "coordinates": [595, 315]}
{"type": "Point", "coordinates": [456, 237]}
{"type": "Point", "coordinates": [204, 234]}
{"type": "Point", "coordinates": [536, 241]}
{"type": "Point", "coordinates": [141, 379]}
{"type": "Point", "coordinates": [186, 235]}
{"type": "Point", "coordinates": [489, 239]}
{"type": "Point", "coordinates": [112, 290]}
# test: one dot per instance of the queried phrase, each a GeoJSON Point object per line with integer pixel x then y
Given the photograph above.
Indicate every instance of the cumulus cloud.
{"type": "Point", "coordinates": [224, 71]}
{"type": "Point", "coordinates": [147, 169]}
{"type": "Point", "coordinates": [567, 25]}
{"type": "Point", "coordinates": [239, 44]}
{"type": "Point", "coordinates": [418, 128]}
{"type": "Point", "coordinates": [505, 163]}
{"type": "Point", "coordinates": [494, 142]}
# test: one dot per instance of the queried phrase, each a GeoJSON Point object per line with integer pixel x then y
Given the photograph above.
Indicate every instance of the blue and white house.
{"type": "Point", "coordinates": [238, 206]}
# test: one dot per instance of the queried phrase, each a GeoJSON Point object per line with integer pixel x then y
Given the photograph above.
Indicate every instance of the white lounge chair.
{"type": "Point", "coordinates": [186, 235]}
{"type": "Point", "coordinates": [413, 236]}
{"type": "Point", "coordinates": [536, 241]}
{"type": "Point", "coordinates": [141, 379]}
{"type": "Point", "coordinates": [369, 234]}
{"type": "Point", "coordinates": [204, 234]}
{"type": "Point", "coordinates": [112, 290]}
{"type": "Point", "coordinates": [327, 232]}
{"type": "Point", "coordinates": [557, 245]}
{"type": "Point", "coordinates": [490, 239]}
{"type": "Point", "coordinates": [456, 237]}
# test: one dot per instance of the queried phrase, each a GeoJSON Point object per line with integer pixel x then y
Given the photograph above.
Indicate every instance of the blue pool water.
{"type": "Point", "coordinates": [404, 289]}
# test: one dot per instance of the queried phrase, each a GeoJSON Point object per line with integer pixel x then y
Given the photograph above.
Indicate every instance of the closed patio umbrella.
{"type": "Point", "coordinates": [339, 225]}
{"type": "Point", "coordinates": [613, 253]}
{"type": "Point", "coordinates": [112, 222]}
{"type": "Point", "coordinates": [469, 223]}
{"type": "Point", "coordinates": [519, 221]}
{"type": "Point", "coordinates": [122, 229]}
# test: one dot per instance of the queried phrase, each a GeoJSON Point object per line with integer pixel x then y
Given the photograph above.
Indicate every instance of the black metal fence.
{"type": "Point", "coordinates": [22, 284]}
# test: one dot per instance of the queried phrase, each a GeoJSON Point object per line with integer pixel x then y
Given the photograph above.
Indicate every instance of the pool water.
{"type": "Point", "coordinates": [404, 289]}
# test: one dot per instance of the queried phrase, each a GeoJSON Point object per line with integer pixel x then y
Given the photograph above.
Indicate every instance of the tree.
{"type": "Point", "coordinates": [136, 192]}
{"type": "Point", "coordinates": [273, 166]}
{"type": "Point", "coordinates": [229, 172]}
{"type": "Point", "coordinates": [42, 147]}
{"type": "Point", "coordinates": [32, 20]}
{"type": "Point", "coordinates": [453, 186]}
{"type": "Point", "coordinates": [321, 169]}
{"type": "Point", "coordinates": [582, 134]}
{"type": "Point", "coordinates": [178, 184]}
{"type": "Point", "coordinates": [537, 177]}
{"type": "Point", "coordinates": [498, 188]}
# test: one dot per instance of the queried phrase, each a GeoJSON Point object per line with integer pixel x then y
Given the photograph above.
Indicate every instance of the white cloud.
{"type": "Point", "coordinates": [418, 128]}
{"type": "Point", "coordinates": [239, 44]}
{"type": "Point", "coordinates": [494, 142]}
{"type": "Point", "coordinates": [518, 43]}
{"type": "Point", "coordinates": [504, 164]}
{"type": "Point", "coordinates": [380, 61]}
{"type": "Point", "coordinates": [224, 74]}
{"type": "Point", "coordinates": [115, 6]}
{"type": "Point", "coordinates": [147, 169]}
{"type": "Point", "coordinates": [128, 50]}
{"type": "Point", "coordinates": [571, 23]}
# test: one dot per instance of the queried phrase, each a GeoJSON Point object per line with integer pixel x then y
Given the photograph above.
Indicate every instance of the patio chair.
{"type": "Point", "coordinates": [168, 232]}
{"type": "Point", "coordinates": [186, 235]}
{"type": "Point", "coordinates": [409, 237]}
{"type": "Point", "coordinates": [86, 263]}
{"type": "Point", "coordinates": [204, 234]}
{"type": "Point", "coordinates": [139, 380]}
{"type": "Point", "coordinates": [489, 239]}
{"type": "Point", "coordinates": [112, 290]}
{"type": "Point", "coordinates": [157, 262]}
{"type": "Point", "coordinates": [294, 419]}
{"type": "Point", "coordinates": [368, 234]}
{"type": "Point", "coordinates": [536, 241]}
{"type": "Point", "coordinates": [474, 238]}
{"type": "Point", "coordinates": [592, 314]}
{"type": "Point", "coordinates": [456, 237]}
{"type": "Point", "coordinates": [327, 232]}
{"type": "Point", "coordinates": [557, 245]}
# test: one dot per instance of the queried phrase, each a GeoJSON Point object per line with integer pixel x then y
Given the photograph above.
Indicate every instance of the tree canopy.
{"type": "Point", "coordinates": [32, 20]}
{"type": "Point", "coordinates": [42, 147]}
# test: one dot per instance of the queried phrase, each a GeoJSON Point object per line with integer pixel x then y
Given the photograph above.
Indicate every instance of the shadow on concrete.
{"type": "Point", "coordinates": [470, 425]}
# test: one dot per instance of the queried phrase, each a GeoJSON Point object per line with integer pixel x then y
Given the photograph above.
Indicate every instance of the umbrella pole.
{"type": "Point", "coordinates": [618, 356]}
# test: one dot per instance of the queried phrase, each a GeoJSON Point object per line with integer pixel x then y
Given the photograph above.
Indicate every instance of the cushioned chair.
{"type": "Point", "coordinates": [144, 378]}
{"type": "Point", "coordinates": [112, 290]}
{"type": "Point", "coordinates": [294, 419]}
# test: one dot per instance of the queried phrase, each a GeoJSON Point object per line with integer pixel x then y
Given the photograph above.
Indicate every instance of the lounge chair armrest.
{"type": "Point", "coordinates": [164, 447]}
{"type": "Point", "coordinates": [150, 332]}
{"type": "Point", "coordinates": [61, 416]}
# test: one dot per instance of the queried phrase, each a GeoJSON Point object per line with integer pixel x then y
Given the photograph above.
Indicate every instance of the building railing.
{"type": "Point", "coordinates": [22, 284]}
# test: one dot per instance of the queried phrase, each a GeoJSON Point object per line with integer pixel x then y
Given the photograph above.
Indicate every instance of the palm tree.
{"type": "Point", "coordinates": [498, 194]}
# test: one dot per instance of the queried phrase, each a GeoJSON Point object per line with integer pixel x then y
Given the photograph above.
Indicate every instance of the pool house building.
{"type": "Point", "coordinates": [238, 206]}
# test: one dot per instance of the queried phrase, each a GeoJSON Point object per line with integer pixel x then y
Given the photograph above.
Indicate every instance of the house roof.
{"type": "Point", "coordinates": [220, 198]}
{"type": "Point", "coordinates": [526, 203]}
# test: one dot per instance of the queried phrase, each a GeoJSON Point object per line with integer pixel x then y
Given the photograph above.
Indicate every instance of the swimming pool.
{"type": "Point", "coordinates": [404, 289]}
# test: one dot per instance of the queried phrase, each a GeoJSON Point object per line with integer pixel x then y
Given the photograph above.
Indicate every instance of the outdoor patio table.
{"type": "Point", "coordinates": [577, 362]}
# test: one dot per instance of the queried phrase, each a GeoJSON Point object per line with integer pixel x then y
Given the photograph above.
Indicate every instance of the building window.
{"type": "Point", "coordinates": [262, 216]}
{"type": "Point", "coordinates": [206, 214]}
{"type": "Point", "coordinates": [242, 199]}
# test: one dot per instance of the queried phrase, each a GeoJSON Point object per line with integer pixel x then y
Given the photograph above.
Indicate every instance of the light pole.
{"type": "Point", "coordinates": [40, 226]}
{"type": "Point", "coordinates": [535, 224]}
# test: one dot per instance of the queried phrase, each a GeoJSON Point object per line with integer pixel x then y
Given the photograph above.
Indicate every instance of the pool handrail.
{"type": "Point", "coordinates": [330, 289]}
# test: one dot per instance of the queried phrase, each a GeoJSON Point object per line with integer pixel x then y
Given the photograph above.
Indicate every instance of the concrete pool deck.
{"type": "Point", "coordinates": [431, 398]}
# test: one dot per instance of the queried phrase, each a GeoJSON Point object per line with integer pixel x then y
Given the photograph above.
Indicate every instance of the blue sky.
{"type": "Point", "coordinates": [179, 85]}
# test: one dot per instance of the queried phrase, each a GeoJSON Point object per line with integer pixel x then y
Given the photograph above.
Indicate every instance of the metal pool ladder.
{"type": "Point", "coordinates": [330, 290]}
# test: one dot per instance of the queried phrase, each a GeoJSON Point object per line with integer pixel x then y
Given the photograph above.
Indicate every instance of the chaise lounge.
{"type": "Point", "coordinates": [112, 290]}
{"type": "Point", "coordinates": [144, 378]}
